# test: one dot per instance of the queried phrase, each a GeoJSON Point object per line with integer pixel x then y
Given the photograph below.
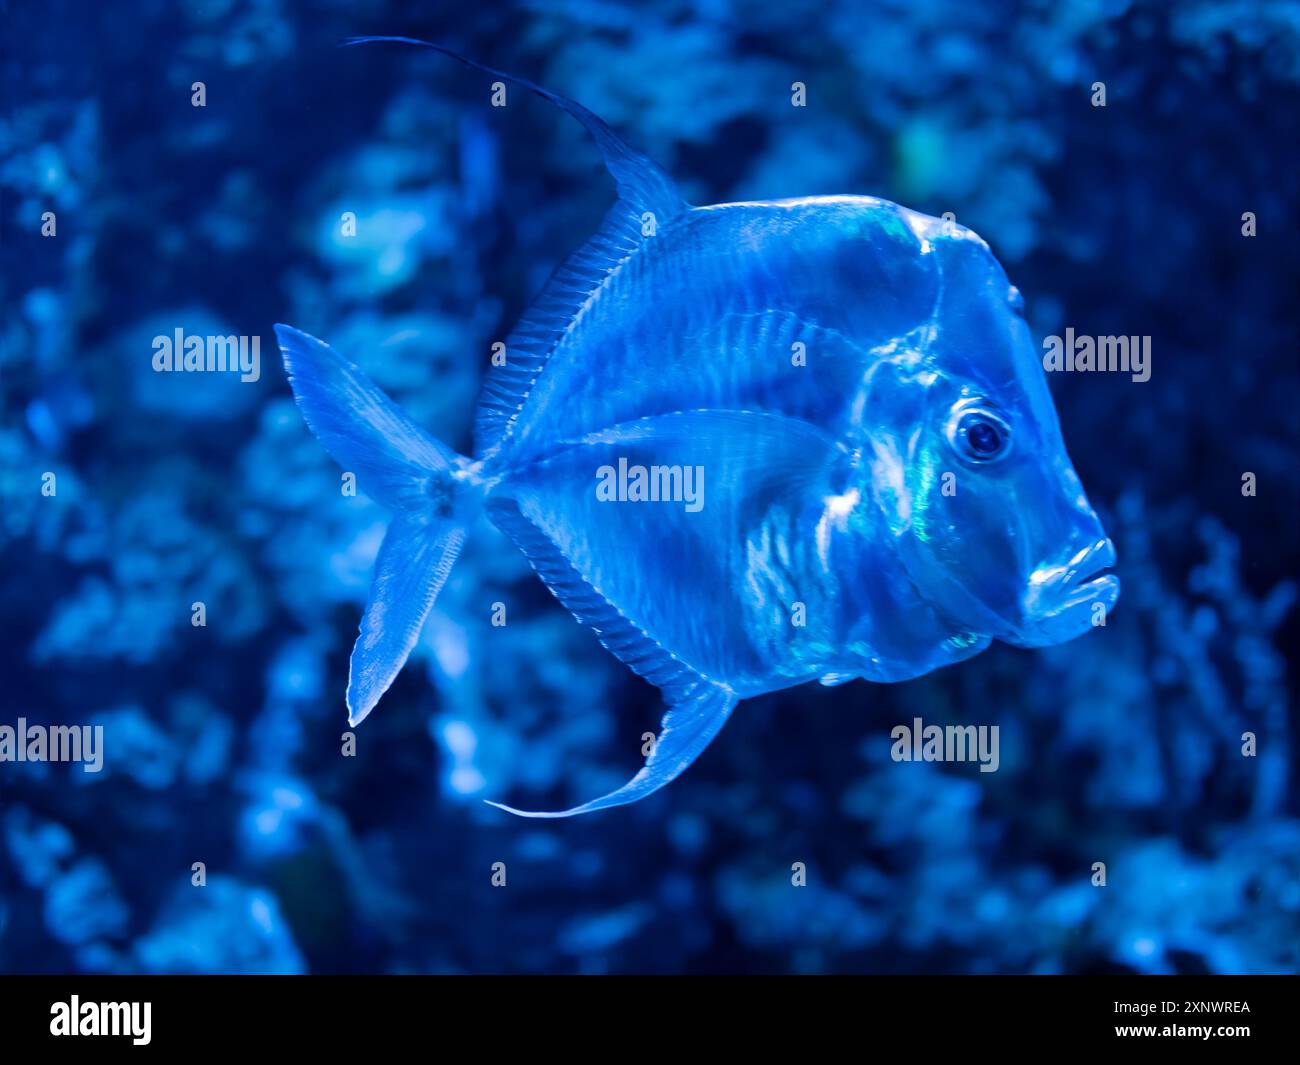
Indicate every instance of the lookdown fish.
{"type": "Point", "coordinates": [750, 445]}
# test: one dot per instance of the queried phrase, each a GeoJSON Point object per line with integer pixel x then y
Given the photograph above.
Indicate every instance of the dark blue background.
{"type": "Point", "coordinates": [224, 741]}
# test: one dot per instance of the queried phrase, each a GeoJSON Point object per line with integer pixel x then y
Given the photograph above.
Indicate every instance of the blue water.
{"type": "Point", "coordinates": [223, 742]}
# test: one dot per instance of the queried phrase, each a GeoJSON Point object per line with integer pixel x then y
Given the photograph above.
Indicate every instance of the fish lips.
{"type": "Point", "coordinates": [1061, 601]}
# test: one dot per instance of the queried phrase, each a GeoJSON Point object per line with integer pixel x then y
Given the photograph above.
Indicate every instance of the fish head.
{"type": "Point", "coordinates": [966, 458]}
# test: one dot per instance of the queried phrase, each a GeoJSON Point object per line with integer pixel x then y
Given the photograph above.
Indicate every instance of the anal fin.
{"type": "Point", "coordinates": [682, 586]}
{"type": "Point", "coordinates": [697, 706]}
{"type": "Point", "coordinates": [688, 727]}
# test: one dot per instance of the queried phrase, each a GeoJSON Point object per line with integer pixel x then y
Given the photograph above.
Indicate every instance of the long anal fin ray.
{"type": "Point", "coordinates": [698, 706]}
{"type": "Point", "coordinates": [688, 727]}
{"type": "Point", "coordinates": [605, 560]}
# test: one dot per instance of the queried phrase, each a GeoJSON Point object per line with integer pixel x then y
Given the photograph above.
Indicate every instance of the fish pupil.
{"type": "Point", "coordinates": [984, 438]}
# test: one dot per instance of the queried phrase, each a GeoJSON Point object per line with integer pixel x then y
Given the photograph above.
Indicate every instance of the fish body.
{"type": "Point", "coordinates": [709, 317]}
{"type": "Point", "coordinates": [750, 445]}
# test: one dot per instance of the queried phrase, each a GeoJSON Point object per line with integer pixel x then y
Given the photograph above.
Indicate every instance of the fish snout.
{"type": "Point", "coordinates": [1066, 599]}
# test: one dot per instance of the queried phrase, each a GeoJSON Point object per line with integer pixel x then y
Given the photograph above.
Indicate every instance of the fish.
{"type": "Point", "coordinates": [749, 445]}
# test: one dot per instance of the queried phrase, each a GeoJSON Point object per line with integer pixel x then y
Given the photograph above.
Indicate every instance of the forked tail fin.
{"type": "Point", "coordinates": [425, 483]}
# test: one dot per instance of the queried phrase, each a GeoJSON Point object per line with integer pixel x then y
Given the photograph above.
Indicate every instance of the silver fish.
{"type": "Point", "coordinates": [750, 445]}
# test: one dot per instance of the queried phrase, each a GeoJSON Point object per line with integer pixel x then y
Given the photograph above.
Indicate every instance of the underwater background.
{"type": "Point", "coordinates": [224, 742]}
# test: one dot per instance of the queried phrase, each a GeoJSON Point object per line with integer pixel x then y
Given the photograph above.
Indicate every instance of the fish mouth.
{"type": "Point", "coordinates": [1061, 603]}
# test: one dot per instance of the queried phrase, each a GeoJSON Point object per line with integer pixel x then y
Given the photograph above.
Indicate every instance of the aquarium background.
{"type": "Point", "coordinates": [224, 742]}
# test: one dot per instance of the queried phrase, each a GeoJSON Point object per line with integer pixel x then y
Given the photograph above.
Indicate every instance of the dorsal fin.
{"type": "Point", "coordinates": [641, 182]}
{"type": "Point", "coordinates": [643, 187]}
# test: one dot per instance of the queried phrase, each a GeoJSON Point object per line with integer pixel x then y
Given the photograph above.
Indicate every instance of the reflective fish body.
{"type": "Point", "coordinates": [750, 445]}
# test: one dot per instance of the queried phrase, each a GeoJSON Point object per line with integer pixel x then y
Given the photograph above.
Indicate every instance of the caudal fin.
{"type": "Point", "coordinates": [396, 463]}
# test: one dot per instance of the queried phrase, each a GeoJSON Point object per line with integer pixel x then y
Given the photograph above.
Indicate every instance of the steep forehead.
{"type": "Point", "coordinates": [979, 328]}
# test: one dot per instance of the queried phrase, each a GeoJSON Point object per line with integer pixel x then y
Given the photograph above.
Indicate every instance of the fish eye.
{"type": "Point", "coordinates": [978, 434]}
